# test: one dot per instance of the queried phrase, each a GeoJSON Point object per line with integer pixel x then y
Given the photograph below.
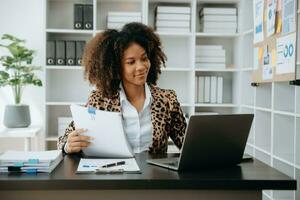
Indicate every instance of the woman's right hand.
{"type": "Point", "coordinates": [76, 142]}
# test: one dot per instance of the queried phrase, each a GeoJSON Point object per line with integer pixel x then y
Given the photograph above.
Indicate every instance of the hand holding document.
{"type": "Point", "coordinates": [107, 130]}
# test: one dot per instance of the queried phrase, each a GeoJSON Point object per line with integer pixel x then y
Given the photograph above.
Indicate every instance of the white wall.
{"type": "Point", "coordinates": [24, 19]}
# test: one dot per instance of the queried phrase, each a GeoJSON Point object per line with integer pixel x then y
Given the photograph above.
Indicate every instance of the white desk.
{"type": "Point", "coordinates": [26, 133]}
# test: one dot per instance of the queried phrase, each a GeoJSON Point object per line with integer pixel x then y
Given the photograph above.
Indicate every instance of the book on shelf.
{"type": "Point", "coordinates": [173, 9]}
{"type": "Point", "coordinates": [220, 89]}
{"type": "Point", "coordinates": [124, 18]}
{"type": "Point", "coordinates": [217, 11]}
{"type": "Point", "coordinates": [218, 18]}
{"type": "Point", "coordinates": [173, 17]}
{"type": "Point", "coordinates": [203, 59]}
{"type": "Point", "coordinates": [63, 123]}
{"type": "Point", "coordinates": [219, 25]}
{"type": "Point", "coordinates": [206, 89]}
{"type": "Point", "coordinates": [211, 65]}
{"type": "Point", "coordinates": [196, 88]}
{"type": "Point", "coordinates": [211, 53]}
{"type": "Point", "coordinates": [168, 23]}
{"type": "Point", "coordinates": [219, 30]}
{"type": "Point", "coordinates": [213, 89]}
{"type": "Point", "coordinates": [200, 89]}
{"type": "Point", "coordinates": [173, 29]}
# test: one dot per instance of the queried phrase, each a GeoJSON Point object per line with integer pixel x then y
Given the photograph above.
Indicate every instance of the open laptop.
{"type": "Point", "coordinates": [211, 141]}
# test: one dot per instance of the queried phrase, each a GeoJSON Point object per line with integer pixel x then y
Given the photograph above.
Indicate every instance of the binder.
{"type": "Point", "coordinates": [50, 60]}
{"type": "Point", "coordinates": [220, 89]}
{"type": "Point", "coordinates": [201, 88]}
{"type": "Point", "coordinates": [79, 51]}
{"type": "Point", "coordinates": [206, 89]}
{"type": "Point", "coordinates": [88, 17]}
{"type": "Point", "coordinates": [70, 52]}
{"type": "Point", "coordinates": [78, 16]}
{"type": "Point", "coordinates": [60, 50]}
{"type": "Point", "coordinates": [213, 89]}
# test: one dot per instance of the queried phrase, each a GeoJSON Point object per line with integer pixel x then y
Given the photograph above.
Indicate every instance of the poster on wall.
{"type": "Point", "coordinates": [286, 50]}
{"type": "Point", "coordinates": [258, 14]}
{"type": "Point", "coordinates": [271, 15]}
{"type": "Point", "coordinates": [288, 16]}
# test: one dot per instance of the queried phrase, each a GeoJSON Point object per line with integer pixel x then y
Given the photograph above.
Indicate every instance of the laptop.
{"type": "Point", "coordinates": [211, 141]}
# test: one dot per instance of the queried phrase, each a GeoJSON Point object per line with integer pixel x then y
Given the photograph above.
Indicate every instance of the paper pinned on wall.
{"type": "Point", "coordinates": [267, 72]}
{"type": "Point", "coordinates": [273, 57]}
{"type": "Point", "coordinates": [288, 16]}
{"type": "Point", "coordinates": [258, 14]}
{"type": "Point", "coordinates": [271, 14]}
{"type": "Point", "coordinates": [286, 54]}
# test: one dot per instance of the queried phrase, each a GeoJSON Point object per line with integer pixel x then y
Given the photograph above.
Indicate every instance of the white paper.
{"type": "Point", "coordinates": [258, 11]}
{"type": "Point", "coordinates": [24, 156]}
{"type": "Point", "coordinates": [107, 130]}
{"type": "Point", "coordinates": [267, 72]}
{"type": "Point", "coordinates": [288, 16]}
{"type": "Point", "coordinates": [90, 165]}
{"type": "Point", "coordinates": [271, 14]}
{"type": "Point", "coordinates": [286, 54]}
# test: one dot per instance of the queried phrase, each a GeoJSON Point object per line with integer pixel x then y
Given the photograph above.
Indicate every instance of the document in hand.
{"type": "Point", "coordinates": [107, 130]}
{"type": "Point", "coordinates": [33, 161]}
{"type": "Point", "coordinates": [90, 165]}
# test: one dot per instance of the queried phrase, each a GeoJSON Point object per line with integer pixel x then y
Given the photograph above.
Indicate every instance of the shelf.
{"type": "Point", "coordinates": [264, 95]}
{"type": "Point", "coordinates": [284, 97]}
{"type": "Point", "coordinates": [51, 139]}
{"type": "Point", "coordinates": [219, 1]}
{"type": "Point", "coordinates": [249, 31]}
{"type": "Point", "coordinates": [262, 121]}
{"type": "Point", "coordinates": [216, 70]}
{"type": "Point", "coordinates": [215, 105]}
{"type": "Point", "coordinates": [178, 34]}
{"type": "Point", "coordinates": [69, 31]}
{"type": "Point", "coordinates": [247, 106]}
{"type": "Point", "coordinates": [263, 156]}
{"type": "Point", "coordinates": [297, 142]}
{"type": "Point", "coordinates": [221, 35]}
{"type": "Point", "coordinates": [246, 69]}
{"type": "Point", "coordinates": [179, 69]}
{"type": "Point", "coordinates": [56, 67]}
{"type": "Point", "coordinates": [284, 113]}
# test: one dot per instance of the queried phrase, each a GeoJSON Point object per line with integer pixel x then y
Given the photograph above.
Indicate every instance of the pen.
{"type": "Point", "coordinates": [113, 164]}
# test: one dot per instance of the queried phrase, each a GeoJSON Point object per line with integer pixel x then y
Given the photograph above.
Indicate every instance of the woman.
{"type": "Point", "coordinates": [124, 66]}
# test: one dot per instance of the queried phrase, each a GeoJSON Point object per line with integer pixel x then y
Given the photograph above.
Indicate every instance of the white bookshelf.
{"type": "Point", "coordinates": [275, 133]}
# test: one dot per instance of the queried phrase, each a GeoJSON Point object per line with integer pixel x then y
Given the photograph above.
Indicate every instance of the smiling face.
{"type": "Point", "coordinates": [135, 65]}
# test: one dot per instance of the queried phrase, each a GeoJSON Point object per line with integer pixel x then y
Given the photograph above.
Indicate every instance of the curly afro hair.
{"type": "Point", "coordinates": [102, 59]}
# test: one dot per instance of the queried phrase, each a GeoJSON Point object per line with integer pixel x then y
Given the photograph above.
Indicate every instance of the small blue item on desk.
{"type": "Point", "coordinates": [92, 112]}
{"type": "Point", "coordinates": [31, 171]}
{"type": "Point", "coordinates": [33, 161]}
{"type": "Point", "coordinates": [18, 164]}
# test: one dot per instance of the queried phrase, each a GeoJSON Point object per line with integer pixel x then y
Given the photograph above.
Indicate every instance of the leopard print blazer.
{"type": "Point", "coordinates": [167, 117]}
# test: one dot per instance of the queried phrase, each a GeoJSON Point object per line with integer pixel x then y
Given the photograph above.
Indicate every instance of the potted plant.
{"type": "Point", "coordinates": [16, 71]}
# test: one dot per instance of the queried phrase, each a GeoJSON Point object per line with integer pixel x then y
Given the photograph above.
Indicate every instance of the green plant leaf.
{"type": "Point", "coordinates": [11, 38]}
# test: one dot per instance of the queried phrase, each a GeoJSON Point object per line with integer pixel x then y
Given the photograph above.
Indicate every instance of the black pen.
{"type": "Point", "coordinates": [113, 164]}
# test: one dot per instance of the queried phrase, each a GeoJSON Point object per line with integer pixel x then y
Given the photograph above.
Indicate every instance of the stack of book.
{"type": "Point", "coordinates": [210, 56]}
{"type": "Point", "coordinates": [209, 89]}
{"type": "Point", "coordinates": [218, 20]}
{"type": "Point", "coordinates": [173, 18]}
{"type": "Point", "coordinates": [116, 20]}
{"type": "Point", "coordinates": [30, 162]}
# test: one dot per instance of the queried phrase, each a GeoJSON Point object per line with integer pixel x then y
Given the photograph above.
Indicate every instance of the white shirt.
{"type": "Point", "coordinates": [137, 126]}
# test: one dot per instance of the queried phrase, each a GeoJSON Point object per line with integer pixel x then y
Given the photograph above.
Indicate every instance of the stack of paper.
{"type": "Point", "coordinates": [116, 20]}
{"type": "Point", "coordinates": [218, 20]}
{"type": "Point", "coordinates": [30, 162]}
{"type": "Point", "coordinates": [209, 89]}
{"type": "Point", "coordinates": [173, 18]}
{"type": "Point", "coordinates": [210, 56]}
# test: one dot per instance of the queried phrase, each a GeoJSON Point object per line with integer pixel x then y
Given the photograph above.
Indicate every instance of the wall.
{"type": "Point", "coordinates": [24, 19]}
